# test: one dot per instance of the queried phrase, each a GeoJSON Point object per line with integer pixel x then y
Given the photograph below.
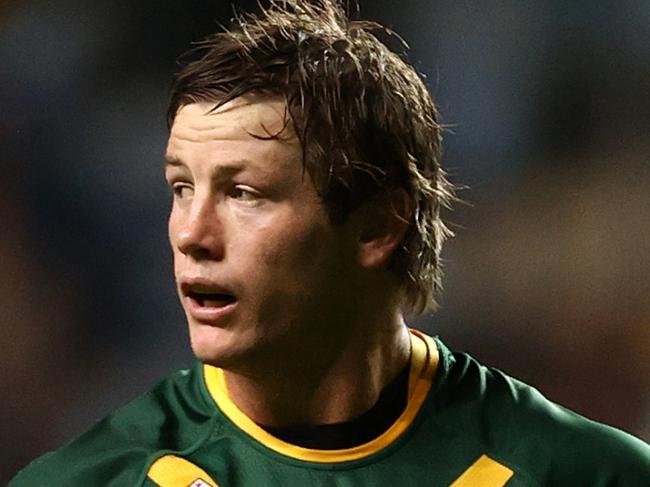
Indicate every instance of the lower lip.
{"type": "Point", "coordinates": [209, 315]}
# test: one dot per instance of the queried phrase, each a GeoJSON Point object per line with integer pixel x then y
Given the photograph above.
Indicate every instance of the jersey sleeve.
{"type": "Point", "coordinates": [568, 449]}
{"type": "Point", "coordinates": [544, 443]}
{"type": "Point", "coordinates": [601, 456]}
{"type": "Point", "coordinates": [88, 460]}
{"type": "Point", "coordinates": [118, 450]}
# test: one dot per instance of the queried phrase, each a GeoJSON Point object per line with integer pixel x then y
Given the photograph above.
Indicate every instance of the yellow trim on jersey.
{"type": "Point", "coordinates": [424, 361]}
{"type": "Point", "coordinates": [484, 472]}
{"type": "Point", "coordinates": [173, 471]}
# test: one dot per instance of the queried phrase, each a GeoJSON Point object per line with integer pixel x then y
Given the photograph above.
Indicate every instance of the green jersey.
{"type": "Point", "coordinates": [464, 425]}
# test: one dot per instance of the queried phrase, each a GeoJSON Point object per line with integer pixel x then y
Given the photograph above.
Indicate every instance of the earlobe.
{"type": "Point", "coordinates": [385, 223]}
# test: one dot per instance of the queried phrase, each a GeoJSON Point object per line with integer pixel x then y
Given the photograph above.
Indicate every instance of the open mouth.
{"type": "Point", "coordinates": [206, 295]}
{"type": "Point", "coordinates": [211, 300]}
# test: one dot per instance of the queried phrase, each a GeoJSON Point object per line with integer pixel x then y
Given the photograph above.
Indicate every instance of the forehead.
{"type": "Point", "coordinates": [239, 119]}
{"type": "Point", "coordinates": [257, 130]}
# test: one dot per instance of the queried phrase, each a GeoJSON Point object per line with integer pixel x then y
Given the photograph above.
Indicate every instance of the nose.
{"type": "Point", "coordinates": [200, 235]}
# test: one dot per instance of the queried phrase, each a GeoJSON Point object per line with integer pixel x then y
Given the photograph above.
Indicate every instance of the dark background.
{"type": "Point", "coordinates": [548, 108]}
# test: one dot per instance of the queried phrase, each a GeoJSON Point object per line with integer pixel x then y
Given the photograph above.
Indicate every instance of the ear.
{"type": "Point", "coordinates": [385, 222]}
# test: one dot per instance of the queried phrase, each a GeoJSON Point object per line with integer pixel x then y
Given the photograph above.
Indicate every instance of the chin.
{"type": "Point", "coordinates": [215, 346]}
{"type": "Point", "coordinates": [222, 358]}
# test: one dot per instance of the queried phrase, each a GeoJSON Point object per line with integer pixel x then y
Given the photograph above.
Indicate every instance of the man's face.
{"type": "Point", "coordinates": [259, 267]}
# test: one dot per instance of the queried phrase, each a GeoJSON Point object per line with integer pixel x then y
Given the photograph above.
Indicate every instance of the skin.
{"type": "Point", "coordinates": [316, 330]}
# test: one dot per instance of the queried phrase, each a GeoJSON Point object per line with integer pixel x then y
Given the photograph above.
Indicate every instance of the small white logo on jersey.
{"type": "Point", "coordinates": [199, 483]}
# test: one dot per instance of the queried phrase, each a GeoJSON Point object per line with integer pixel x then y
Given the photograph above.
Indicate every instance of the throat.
{"type": "Point", "coordinates": [391, 404]}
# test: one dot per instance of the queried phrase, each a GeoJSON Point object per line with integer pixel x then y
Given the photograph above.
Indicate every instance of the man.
{"type": "Point", "coordinates": [303, 159]}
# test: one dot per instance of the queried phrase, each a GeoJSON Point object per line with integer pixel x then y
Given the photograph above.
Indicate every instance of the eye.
{"type": "Point", "coordinates": [182, 190]}
{"type": "Point", "coordinates": [244, 193]}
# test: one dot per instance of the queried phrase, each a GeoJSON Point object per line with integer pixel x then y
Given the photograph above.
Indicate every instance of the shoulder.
{"type": "Point", "coordinates": [171, 416]}
{"type": "Point", "coordinates": [590, 450]}
{"type": "Point", "coordinates": [524, 428]}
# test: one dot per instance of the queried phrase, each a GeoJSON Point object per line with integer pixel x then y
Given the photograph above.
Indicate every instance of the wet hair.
{"type": "Point", "coordinates": [365, 120]}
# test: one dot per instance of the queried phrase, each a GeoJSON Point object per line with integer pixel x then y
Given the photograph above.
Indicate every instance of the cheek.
{"type": "Point", "coordinates": [297, 247]}
{"type": "Point", "coordinates": [299, 263]}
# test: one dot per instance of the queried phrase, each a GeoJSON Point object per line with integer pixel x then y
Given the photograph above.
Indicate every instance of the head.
{"type": "Point", "coordinates": [368, 129]}
{"type": "Point", "coordinates": [302, 83]}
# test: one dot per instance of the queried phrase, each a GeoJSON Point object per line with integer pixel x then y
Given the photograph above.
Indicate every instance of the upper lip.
{"type": "Point", "coordinates": [202, 286]}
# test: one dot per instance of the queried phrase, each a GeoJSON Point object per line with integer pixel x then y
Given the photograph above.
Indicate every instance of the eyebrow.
{"type": "Point", "coordinates": [173, 161]}
{"type": "Point", "coordinates": [224, 170]}
{"type": "Point", "coordinates": [230, 165]}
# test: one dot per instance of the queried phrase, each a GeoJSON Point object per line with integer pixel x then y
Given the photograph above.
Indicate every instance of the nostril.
{"type": "Point", "coordinates": [196, 251]}
{"type": "Point", "coordinates": [201, 248]}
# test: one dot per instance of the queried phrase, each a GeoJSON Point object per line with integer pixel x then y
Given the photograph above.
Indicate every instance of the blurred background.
{"type": "Point", "coordinates": [548, 109]}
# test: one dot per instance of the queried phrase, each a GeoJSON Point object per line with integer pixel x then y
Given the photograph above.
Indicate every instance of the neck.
{"type": "Point", "coordinates": [329, 381]}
